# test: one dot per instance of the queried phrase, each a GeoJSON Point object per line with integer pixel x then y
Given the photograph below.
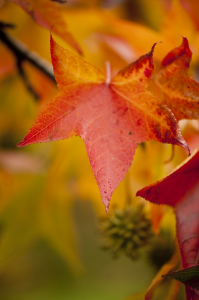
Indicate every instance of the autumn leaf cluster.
{"type": "Point", "coordinates": [118, 89]}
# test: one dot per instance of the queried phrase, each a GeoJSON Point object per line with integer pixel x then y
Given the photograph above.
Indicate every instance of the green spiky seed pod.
{"type": "Point", "coordinates": [126, 231]}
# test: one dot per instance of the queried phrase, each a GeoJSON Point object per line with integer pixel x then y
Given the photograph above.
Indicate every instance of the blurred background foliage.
{"type": "Point", "coordinates": [50, 206]}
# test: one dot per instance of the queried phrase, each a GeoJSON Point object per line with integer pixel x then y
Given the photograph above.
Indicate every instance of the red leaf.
{"type": "Point", "coordinates": [181, 190]}
{"type": "Point", "coordinates": [111, 116]}
{"type": "Point", "coordinates": [179, 91]}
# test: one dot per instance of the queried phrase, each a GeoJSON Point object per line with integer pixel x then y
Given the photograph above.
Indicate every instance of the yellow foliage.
{"type": "Point", "coordinates": [41, 184]}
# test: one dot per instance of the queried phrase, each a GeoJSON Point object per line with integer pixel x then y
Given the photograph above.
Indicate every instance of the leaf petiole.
{"type": "Point", "coordinates": [108, 72]}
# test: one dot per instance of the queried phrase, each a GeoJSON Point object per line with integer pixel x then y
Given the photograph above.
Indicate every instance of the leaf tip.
{"type": "Point", "coordinates": [26, 141]}
{"type": "Point", "coordinates": [186, 147]}
{"type": "Point", "coordinates": [21, 144]}
{"type": "Point", "coordinates": [106, 201]}
{"type": "Point", "coordinates": [51, 38]}
{"type": "Point", "coordinates": [153, 47]}
{"type": "Point", "coordinates": [106, 204]}
{"type": "Point", "coordinates": [185, 47]}
{"type": "Point", "coordinates": [73, 43]}
{"type": "Point", "coordinates": [141, 193]}
{"type": "Point", "coordinates": [182, 51]}
{"type": "Point", "coordinates": [149, 56]}
{"type": "Point", "coordinates": [185, 42]}
{"type": "Point", "coordinates": [180, 141]}
{"type": "Point", "coordinates": [138, 193]}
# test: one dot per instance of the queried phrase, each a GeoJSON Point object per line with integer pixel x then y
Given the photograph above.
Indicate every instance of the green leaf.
{"type": "Point", "coordinates": [189, 276]}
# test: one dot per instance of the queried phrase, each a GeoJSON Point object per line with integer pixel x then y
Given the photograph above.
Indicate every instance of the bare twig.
{"type": "Point", "coordinates": [22, 54]}
{"type": "Point", "coordinates": [60, 1]}
{"type": "Point", "coordinates": [4, 25]}
{"type": "Point", "coordinates": [27, 82]}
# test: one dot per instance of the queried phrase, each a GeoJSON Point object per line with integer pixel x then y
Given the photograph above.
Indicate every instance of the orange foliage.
{"type": "Point", "coordinates": [40, 184]}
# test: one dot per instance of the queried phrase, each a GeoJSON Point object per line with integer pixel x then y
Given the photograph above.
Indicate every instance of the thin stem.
{"type": "Point", "coordinates": [108, 72]}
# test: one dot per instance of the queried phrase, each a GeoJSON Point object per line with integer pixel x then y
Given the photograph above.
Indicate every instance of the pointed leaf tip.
{"type": "Point", "coordinates": [177, 90]}
{"type": "Point", "coordinates": [185, 146]}
{"type": "Point", "coordinates": [144, 64]}
{"type": "Point", "coordinates": [107, 209]}
{"type": "Point", "coordinates": [177, 52]}
{"type": "Point", "coordinates": [20, 145]}
{"type": "Point", "coordinates": [152, 49]}
{"type": "Point", "coordinates": [74, 44]}
{"type": "Point", "coordinates": [188, 276]}
{"type": "Point", "coordinates": [25, 142]}
{"type": "Point", "coordinates": [106, 202]}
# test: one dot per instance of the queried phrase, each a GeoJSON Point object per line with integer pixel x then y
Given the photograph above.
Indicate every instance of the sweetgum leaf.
{"type": "Point", "coordinates": [111, 116]}
{"type": "Point", "coordinates": [181, 190]}
{"type": "Point", "coordinates": [189, 276]}
{"type": "Point", "coordinates": [47, 13]}
{"type": "Point", "coordinates": [179, 91]}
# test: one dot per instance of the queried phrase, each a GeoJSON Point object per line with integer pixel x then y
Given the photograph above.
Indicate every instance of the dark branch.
{"type": "Point", "coordinates": [4, 25]}
{"type": "Point", "coordinates": [27, 82]}
{"type": "Point", "coordinates": [22, 54]}
{"type": "Point", "coordinates": [60, 1]}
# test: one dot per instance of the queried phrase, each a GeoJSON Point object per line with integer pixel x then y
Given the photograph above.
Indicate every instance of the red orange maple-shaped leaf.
{"type": "Point", "coordinates": [47, 13]}
{"type": "Point", "coordinates": [178, 91]}
{"type": "Point", "coordinates": [181, 190]}
{"type": "Point", "coordinates": [111, 116]}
